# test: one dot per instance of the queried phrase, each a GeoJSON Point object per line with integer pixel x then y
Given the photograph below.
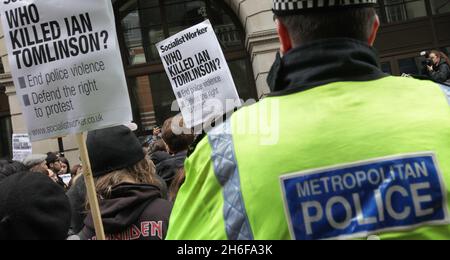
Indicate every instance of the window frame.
{"type": "Point", "coordinates": [382, 5]}
{"type": "Point", "coordinates": [438, 14]}
{"type": "Point", "coordinates": [156, 66]}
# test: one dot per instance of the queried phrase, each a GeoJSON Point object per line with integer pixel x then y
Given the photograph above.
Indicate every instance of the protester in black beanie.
{"type": "Point", "coordinates": [33, 207]}
{"type": "Point", "coordinates": [130, 193]}
{"type": "Point", "coordinates": [113, 149]}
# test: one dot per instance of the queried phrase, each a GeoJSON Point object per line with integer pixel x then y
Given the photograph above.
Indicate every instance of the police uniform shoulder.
{"type": "Point", "coordinates": [444, 84]}
{"type": "Point", "coordinates": [412, 79]}
{"type": "Point", "coordinates": [205, 132]}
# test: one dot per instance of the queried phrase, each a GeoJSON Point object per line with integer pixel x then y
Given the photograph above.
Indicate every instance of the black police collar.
{"type": "Point", "coordinates": [321, 62]}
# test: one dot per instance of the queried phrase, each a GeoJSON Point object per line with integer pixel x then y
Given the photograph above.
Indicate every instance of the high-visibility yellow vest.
{"type": "Point", "coordinates": [344, 160]}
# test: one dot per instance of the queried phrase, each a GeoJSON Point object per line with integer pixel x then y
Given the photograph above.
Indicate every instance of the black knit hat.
{"type": "Point", "coordinates": [33, 207]}
{"type": "Point", "coordinates": [112, 149]}
{"type": "Point", "coordinates": [292, 7]}
{"type": "Point", "coordinates": [51, 158]}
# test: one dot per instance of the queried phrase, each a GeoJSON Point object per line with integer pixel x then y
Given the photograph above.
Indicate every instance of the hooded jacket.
{"type": "Point", "coordinates": [132, 212]}
{"type": "Point", "coordinates": [167, 169]}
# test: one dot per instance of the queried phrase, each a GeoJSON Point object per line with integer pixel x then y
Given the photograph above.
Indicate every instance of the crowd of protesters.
{"type": "Point", "coordinates": [136, 181]}
{"type": "Point", "coordinates": [340, 116]}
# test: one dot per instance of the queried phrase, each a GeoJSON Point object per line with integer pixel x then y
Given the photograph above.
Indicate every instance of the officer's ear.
{"type": "Point", "coordinates": [285, 38]}
{"type": "Point", "coordinates": [374, 30]}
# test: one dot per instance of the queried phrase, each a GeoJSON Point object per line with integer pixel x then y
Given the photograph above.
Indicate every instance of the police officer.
{"type": "Point", "coordinates": [340, 150]}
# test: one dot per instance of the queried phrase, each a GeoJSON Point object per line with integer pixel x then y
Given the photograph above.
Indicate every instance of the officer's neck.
{"type": "Point", "coordinates": [325, 61]}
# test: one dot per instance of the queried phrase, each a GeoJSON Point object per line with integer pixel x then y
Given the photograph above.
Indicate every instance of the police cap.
{"type": "Point", "coordinates": [292, 7]}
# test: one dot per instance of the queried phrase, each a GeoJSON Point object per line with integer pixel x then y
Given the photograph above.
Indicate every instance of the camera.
{"type": "Point", "coordinates": [427, 62]}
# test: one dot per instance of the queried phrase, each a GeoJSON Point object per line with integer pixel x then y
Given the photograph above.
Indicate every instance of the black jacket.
{"type": "Point", "coordinates": [133, 212]}
{"type": "Point", "coordinates": [159, 156]}
{"type": "Point", "coordinates": [322, 62]}
{"type": "Point", "coordinates": [168, 168]}
{"type": "Point", "coordinates": [77, 199]}
{"type": "Point", "coordinates": [441, 72]}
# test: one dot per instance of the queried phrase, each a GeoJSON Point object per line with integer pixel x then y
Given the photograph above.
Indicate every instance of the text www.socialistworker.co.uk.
{"type": "Point", "coordinates": [81, 122]}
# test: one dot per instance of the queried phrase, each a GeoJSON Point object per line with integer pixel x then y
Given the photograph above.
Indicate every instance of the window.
{"type": "Point", "coordinates": [143, 23]}
{"type": "Point", "coordinates": [146, 22]}
{"type": "Point", "coordinates": [141, 27]}
{"type": "Point", "coordinates": [411, 65]}
{"type": "Point", "coordinates": [154, 98]}
{"type": "Point", "coordinates": [403, 10]}
{"type": "Point", "coordinates": [440, 6]}
{"type": "Point", "coordinates": [386, 67]}
{"type": "Point", "coordinates": [395, 12]}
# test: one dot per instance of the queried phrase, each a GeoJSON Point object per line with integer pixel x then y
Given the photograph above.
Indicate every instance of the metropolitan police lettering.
{"type": "Point", "coordinates": [365, 198]}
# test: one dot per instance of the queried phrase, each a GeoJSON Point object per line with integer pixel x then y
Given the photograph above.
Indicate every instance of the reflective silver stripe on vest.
{"type": "Point", "coordinates": [226, 170]}
{"type": "Point", "coordinates": [446, 90]}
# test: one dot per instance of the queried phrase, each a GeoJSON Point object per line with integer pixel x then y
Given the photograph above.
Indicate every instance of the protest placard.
{"type": "Point", "coordinates": [21, 146]}
{"type": "Point", "coordinates": [199, 74]}
{"type": "Point", "coordinates": [66, 65]}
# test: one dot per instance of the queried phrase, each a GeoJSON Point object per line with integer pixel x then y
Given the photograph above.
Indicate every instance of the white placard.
{"type": "Point", "coordinates": [66, 178]}
{"type": "Point", "coordinates": [66, 65]}
{"type": "Point", "coordinates": [21, 147]}
{"type": "Point", "coordinates": [199, 74]}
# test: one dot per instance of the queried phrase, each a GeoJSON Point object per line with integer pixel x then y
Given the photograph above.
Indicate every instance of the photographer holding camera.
{"type": "Point", "coordinates": [437, 66]}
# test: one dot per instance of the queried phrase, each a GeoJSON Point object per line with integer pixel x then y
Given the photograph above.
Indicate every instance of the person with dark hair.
{"type": "Point", "coordinates": [54, 165]}
{"type": "Point", "coordinates": [130, 193]}
{"type": "Point", "coordinates": [64, 173]}
{"type": "Point", "coordinates": [8, 168]}
{"type": "Point", "coordinates": [177, 139]}
{"type": "Point", "coordinates": [338, 150]}
{"type": "Point", "coordinates": [176, 136]}
{"type": "Point", "coordinates": [33, 207]}
{"type": "Point", "coordinates": [440, 70]}
{"type": "Point", "coordinates": [65, 166]}
{"type": "Point", "coordinates": [158, 152]}
{"type": "Point", "coordinates": [76, 170]}
{"type": "Point", "coordinates": [53, 162]}
{"type": "Point", "coordinates": [75, 174]}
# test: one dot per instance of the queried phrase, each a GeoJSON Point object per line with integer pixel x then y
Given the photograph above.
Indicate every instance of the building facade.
{"type": "Point", "coordinates": [247, 34]}
{"type": "Point", "coordinates": [409, 27]}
